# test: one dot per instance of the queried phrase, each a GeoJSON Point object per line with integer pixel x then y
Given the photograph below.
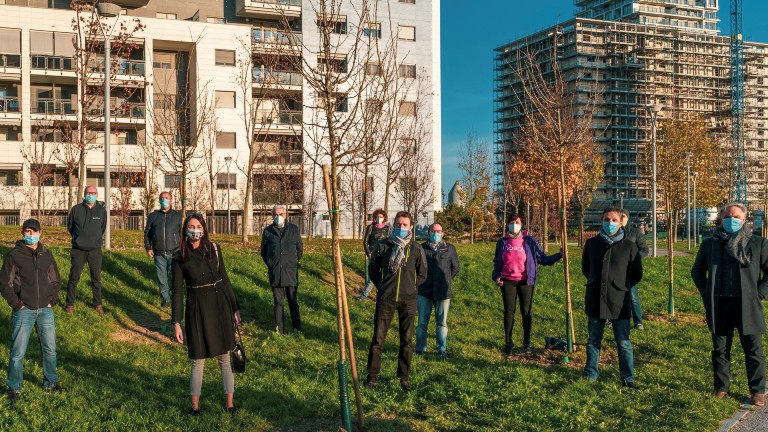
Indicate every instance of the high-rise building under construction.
{"type": "Point", "coordinates": [630, 54]}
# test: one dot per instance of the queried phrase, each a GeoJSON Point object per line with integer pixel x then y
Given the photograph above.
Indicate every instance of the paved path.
{"type": "Point", "coordinates": [747, 420]}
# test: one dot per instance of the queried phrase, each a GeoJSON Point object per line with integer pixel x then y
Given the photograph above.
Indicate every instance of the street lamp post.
{"type": "Point", "coordinates": [107, 13]}
{"type": "Point", "coordinates": [695, 211]}
{"type": "Point", "coordinates": [688, 196]}
{"type": "Point", "coordinates": [653, 111]}
{"type": "Point", "coordinates": [621, 200]}
{"type": "Point", "coordinates": [228, 161]}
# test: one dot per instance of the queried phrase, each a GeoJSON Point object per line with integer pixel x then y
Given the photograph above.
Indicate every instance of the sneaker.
{"type": "Point", "coordinates": [70, 310]}
{"type": "Point", "coordinates": [757, 399]}
{"type": "Point", "coordinates": [13, 396]}
{"type": "Point", "coordinates": [629, 384]}
{"type": "Point", "coordinates": [194, 412]}
{"type": "Point", "coordinates": [56, 388]}
{"type": "Point", "coordinates": [640, 327]}
{"type": "Point", "coordinates": [99, 309]}
{"type": "Point", "coordinates": [442, 355]}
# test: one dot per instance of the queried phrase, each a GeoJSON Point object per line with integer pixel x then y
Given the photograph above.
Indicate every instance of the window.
{"type": "Point", "coordinates": [342, 103]}
{"type": "Point", "coordinates": [372, 30]}
{"type": "Point", "coordinates": [407, 71]}
{"type": "Point", "coordinates": [222, 182]}
{"type": "Point", "coordinates": [163, 60]}
{"type": "Point", "coordinates": [373, 69]}
{"type": "Point", "coordinates": [225, 58]}
{"type": "Point", "coordinates": [336, 24]}
{"type": "Point", "coordinates": [373, 106]}
{"type": "Point", "coordinates": [165, 15]}
{"type": "Point", "coordinates": [172, 181]}
{"type": "Point", "coordinates": [9, 133]}
{"type": "Point", "coordinates": [9, 178]}
{"type": "Point", "coordinates": [10, 47]}
{"type": "Point", "coordinates": [407, 146]}
{"type": "Point", "coordinates": [407, 109]}
{"type": "Point", "coordinates": [216, 20]}
{"type": "Point", "coordinates": [129, 137]}
{"type": "Point", "coordinates": [337, 65]}
{"type": "Point", "coordinates": [225, 140]}
{"type": "Point", "coordinates": [368, 184]}
{"type": "Point", "coordinates": [225, 99]}
{"type": "Point", "coordinates": [406, 33]}
{"type": "Point", "coordinates": [407, 1]}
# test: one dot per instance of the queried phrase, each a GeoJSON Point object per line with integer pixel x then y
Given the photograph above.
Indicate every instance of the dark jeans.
{"type": "Point", "coordinates": [637, 309]}
{"type": "Point", "coordinates": [382, 319]}
{"type": "Point", "coordinates": [729, 318]}
{"type": "Point", "coordinates": [279, 294]}
{"type": "Point", "coordinates": [78, 258]}
{"type": "Point", "coordinates": [510, 291]}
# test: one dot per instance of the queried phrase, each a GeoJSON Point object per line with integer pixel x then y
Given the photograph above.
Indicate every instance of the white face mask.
{"type": "Point", "coordinates": [379, 220]}
{"type": "Point", "coordinates": [515, 228]}
{"type": "Point", "coordinates": [279, 220]}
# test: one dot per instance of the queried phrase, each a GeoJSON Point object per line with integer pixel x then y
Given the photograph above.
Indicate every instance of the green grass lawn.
{"type": "Point", "coordinates": [121, 371]}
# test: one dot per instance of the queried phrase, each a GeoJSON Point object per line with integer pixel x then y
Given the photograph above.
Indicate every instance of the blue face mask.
{"type": "Point", "coordinates": [31, 239]}
{"type": "Point", "coordinates": [165, 203]}
{"type": "Point", "coordinates": [731, 225]}
{"type": "Point", "coordinates": [90, 199]}
{"type": "Point", "coordinates": [401, 232]}
{"type": "Point", "coordinates": [611, 228]}
{"type": "Point", "coordinates": [435, 237]}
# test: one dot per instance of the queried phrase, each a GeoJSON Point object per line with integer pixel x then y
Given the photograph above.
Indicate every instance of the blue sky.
{"type": "Point", "coordinates": [470, 32]}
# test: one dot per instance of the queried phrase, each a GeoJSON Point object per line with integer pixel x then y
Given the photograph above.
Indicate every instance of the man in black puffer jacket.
{"type": "Point", "coordinates": [161, 241]}
{"type": "Point", "coordinates": [86, 223]}
{"type": "Point", "coordinates": [397, 267]}
{"type": "Point", "coordinates": [30, 283]}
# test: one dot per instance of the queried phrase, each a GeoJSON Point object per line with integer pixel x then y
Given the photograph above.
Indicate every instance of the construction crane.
{"type": "Point", "coordinates": [738, 67]}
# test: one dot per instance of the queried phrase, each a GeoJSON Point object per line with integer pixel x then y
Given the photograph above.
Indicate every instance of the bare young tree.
{"type": "Point", "coordinates": [38, 155]}
{"type": "Point", "coordinates": [474, 164]}
{"type": "Point", "coordinates": [212, 165]}
{"type": "Point", "coordinates": [91, 29]}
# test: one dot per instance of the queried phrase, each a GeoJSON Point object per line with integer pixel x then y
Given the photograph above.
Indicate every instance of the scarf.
{"type": "Point", "coordinates": [611, 240]}
{"type": "Point", "coordinates": [738, 245]}
{"type": "Point", "coordinates": [379, 226]}
{"type": "Point", "coordinates": [397, 255]}
{"type": "Point", "coordinates": [435, 246]}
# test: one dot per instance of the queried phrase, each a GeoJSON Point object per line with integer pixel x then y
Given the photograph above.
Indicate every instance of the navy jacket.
{"type": "Point", "coordinates": [403, 284]}
{"type": "Point", "coordinates": [87, 226]}
{"type": "Point", "coordinates": [442, 267]}
{"type": "Point", "coordinates": [533, 255]}
{"type": "Point", "coordinates": [163, 231]}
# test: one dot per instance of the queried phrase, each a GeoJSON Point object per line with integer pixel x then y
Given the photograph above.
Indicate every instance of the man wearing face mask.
{"type": "Point", "coordinates": [30, 283]}
{"type": "Point", "coordinates": [398, 266]}
{"type": "Point", "coordinates": [435, 292]}
{"type": "Point", "coordinates": [378, 230]}
{"type": "Point", "coordinates": [281, 250]}
{"type": "Point", "coordinates": [612, 265]}
{"type": "Point", "coordinates": [86, 224]}
{"type": "Point", "coordinates": [161, 241]}
{"type": "Point", "coordinates": [731, 274]}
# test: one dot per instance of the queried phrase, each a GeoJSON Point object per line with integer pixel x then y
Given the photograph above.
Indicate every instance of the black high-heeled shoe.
{"type": "Point", "coordinates": [232, 410]}
{"type": "Point", "coordinates": [194, 412]}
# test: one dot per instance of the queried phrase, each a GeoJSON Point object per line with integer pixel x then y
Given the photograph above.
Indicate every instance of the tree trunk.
{"type": "Point", "coordinates": [311, 215]}
{"type": "Point", "coordinates": [248, 206]}
{"type": "Point", "coordinates": [545, 233]}
{"type": "Point", "coordinates": [387, 188]}
{"type": "Point", "coordinates": [82, 172]}
{"type": "Point", "coordinates": [213, 206]}
{"type": "Point", "coordinates": [566, 262]}
{"type": "Point", "coordinates": [472, 230]}
{"type": "Point", "coordinates": [70, 189]}
{"type": "Point", "coordinates": [581, 226]}
{"type": "Point", "coordinates": [183, 191]}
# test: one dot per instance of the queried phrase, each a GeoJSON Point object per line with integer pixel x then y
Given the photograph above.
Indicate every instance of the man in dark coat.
{"type": "Point", "coordinates": [636, 236]}
{"type": "Point", "coordinates": [611, 265]}
{"type": "Point", "coordinates": [397, 267]}
{"type": "Point", "coordinates": [161, 241]}
{"type": "Point", "coordinates": [281, 250]}
{"type": "Point", "coordinates": [30, 283]}
{"type": "Point", "coordinates": [435, 292]}
{"type": "Point", "coordinates": [730, 273]}
{"type": "Point", "coordinates": [86, 224]}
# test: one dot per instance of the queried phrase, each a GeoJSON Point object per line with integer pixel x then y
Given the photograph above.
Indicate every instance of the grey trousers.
{"type": "Point", "coordinates": [196, 376]}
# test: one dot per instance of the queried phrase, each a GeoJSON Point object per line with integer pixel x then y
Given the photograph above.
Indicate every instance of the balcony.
{"type": "Point", "coordinates": [122, 110]}
{"type": "Point", "coordinates": [271, 197]}
{"type": "Point", "coordinates": [268, 78]}
{"type": "Point", "coordinates": [131, 4]}
{"type": "Point", "coordinates": [268, 9]}
{"type": "Point", "coordinates": [123, 66]}
{"type": "Point", "coordinates": [273, 39]}
{"type": "Point", "coordinates": [53, 106]}
{"type": "Point", "coordinates": [9, 104]}
{"type": "Point", "coordinates": [268, 119]}
{"type": "Point", "coordinates": [52, 63]}
{"type": "Point", "coordinates": [10, 61]}
{"type": "Point", "coordinates": [284, 158]}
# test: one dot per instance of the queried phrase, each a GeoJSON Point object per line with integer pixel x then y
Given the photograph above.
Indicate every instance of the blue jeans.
{"type": "Point", "coordinates": [425, 306]}
{"type": "Point", "coordinates": [621, 334]}
{"type": "Point", "coordinates": [368, 284]}
{"type": "Point", "coordinates": [22, 323]}
{"type": "Point", "coordinates": [163, 265]}
{"type": "Point", "coordinates": [637, 310]}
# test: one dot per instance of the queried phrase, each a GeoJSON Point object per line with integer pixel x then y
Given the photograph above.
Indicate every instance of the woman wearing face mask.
{"type": "Point", "coordinates": [211, 307]}
{"type": "Point", "coordinates": [376, 231]}
{"type": "Point", "coordinates": [514, 270]}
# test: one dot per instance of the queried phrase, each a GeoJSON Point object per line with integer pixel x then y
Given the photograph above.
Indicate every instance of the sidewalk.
{"type": "Point", "coordinates": [748, 419]}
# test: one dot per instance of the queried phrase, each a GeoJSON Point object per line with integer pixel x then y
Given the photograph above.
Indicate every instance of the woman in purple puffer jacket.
{"type": "Point", "coordinates": [514, 270]}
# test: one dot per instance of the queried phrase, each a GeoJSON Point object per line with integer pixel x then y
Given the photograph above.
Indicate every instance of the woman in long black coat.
{"type": "Point", "coordinates": [211, 307]}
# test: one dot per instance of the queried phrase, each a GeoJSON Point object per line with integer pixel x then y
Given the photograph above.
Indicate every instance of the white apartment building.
{"type": "Point", "coordinates": [200, 46]}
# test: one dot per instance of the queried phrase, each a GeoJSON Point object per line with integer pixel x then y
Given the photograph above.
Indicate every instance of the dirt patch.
{"type": "Point", "coordinates": [551, 358]}
{"type": "Point", "coordinates": [142, 327]}
{"type": "Point", "coordinates": [683, 318]}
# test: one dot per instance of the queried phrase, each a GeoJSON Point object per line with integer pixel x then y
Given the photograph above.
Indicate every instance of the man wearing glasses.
{"type": "Point", "coordinates": [161, 241]}
{"type": "Point", "coordinates": [86, 224]}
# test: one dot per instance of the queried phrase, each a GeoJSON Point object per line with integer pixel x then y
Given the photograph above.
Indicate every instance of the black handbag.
{"type": "Point", "coordinates": [237, 355]}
